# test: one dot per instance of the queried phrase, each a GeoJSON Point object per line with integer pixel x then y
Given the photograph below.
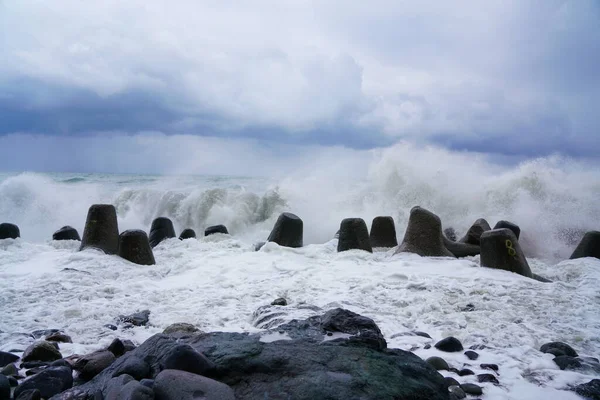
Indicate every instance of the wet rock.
{"type": "Point", "coordinates": [9, 231]}
{"type": "Point", "coordinates": [500, 249]}
{"type": "Point", "coordinates": [279, 302]}
{"type": "Point", "coordinates": [9, 370]}
{"type": "Point", "coordinates": [588, 247]}
{"type": "Point", "coordinates": [383, 232]}
{"type": "Point", "coordinates": [34, 364]}
{"type": "Point", "coordinates": [41, 351]}
{"type": "Point", "coordinates": [148, 383]}
{"type": "Point", "coordinates": [540, 278]}
{"type": "Point", "coordinates": [116, 347]}
{"type": "Point", "coordinates": [211, 230]}
{"type": "Point", "coordinates": [31, 394]}
{"type": "Point", "coordinates": [474, 233]}
{"type": "Point", "coordinates": [424, 235]}
{"type": "Point", "coordinates": [129, 346]}
{"type": "Point", "coordinates": [181, 385]}
{"type": "Point", "coordinates": [438, 363]}
{"type": "Point", "coordinates": [111, 327]}
{"type": "Point", "coordinates": [110, 390]}
{"type": "Point", "coordinates": [468, 308]}
{"type": "Point", "coordinates": [450, 381]}
{"type": "Point", "coordinates": [509, 225]}
{"type": "Point", "coordinates": [4, 388]}
{"type": "Point", "coordinates": [34, 371]}
{"type": "Point", "coordinates": [60, 338]}
{"type": "Point", "coordinates": [354, 235]}
{"type": "Point", "coordinates": [92, 364]}
{"type": "Point", "coordinates": [363, 328]}
{"type": "Point", "coordinates": [180, 327]}
{"type": "Point", "coordinates": [66, 233]}
{"type": "Point", "coordinates": [459, 249]}
{"type": "Point", "coordinates": [187, 234]}
{"type": "Point", "coordinates": [134, 367]}
{"type": "Point", "coordinates": [449, 344]}
{"type": "Point", "coordinates": [42, 333]}
{"type": "Point", "coordinates": [7, 358]}
{"type": "Point", "coordinates": [456, 392]}
{"type": "Point", "coordinates": [140, 318]}
{"type": "Point", "coordinates": [134, 390]}
{"type": "Point", "coordinates": [161, 229]}
{"type": "Point", "coordinates": [101, 229]}
{"type": "Point", "coordinates": [134, 246]}
{"type": "Point", "coordinates": [450, 234]}
{"type": "Point", "coordinates": [465, 372]}
{"type": "Point", "coordinates": [472, 389]}
{"type": "Point", "coordinates": [487, 378]}
{"type": "Point", "coordinates": [49, 382]}
{"type": "Point", "coordinates": [558, 349]}
{"type": "Point", "coordinates": [493, 367]}
{"type": "Point", "coordinates": [183, 357]}
{"type": "Point", "coordinates": [589, 390]}
{"type": "Point", "coordinates": [288, 231]}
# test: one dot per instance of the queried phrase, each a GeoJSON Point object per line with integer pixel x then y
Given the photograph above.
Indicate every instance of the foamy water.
{"type": "Point", "coordinates": [218, 282]}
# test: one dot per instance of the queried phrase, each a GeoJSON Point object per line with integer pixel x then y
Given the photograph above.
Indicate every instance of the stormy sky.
{"type": "Point", "coordinates": [504, 77]}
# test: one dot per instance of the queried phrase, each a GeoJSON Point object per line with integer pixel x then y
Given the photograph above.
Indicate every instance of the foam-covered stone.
{"type": "Point", "coordinates": [474, 233]}
{"type": "Point", "coordinates": [134, 246]}
{"type": "Point", "coordinates": [161, 229]}
{"type": "Point", "coordinates": [50, 381]}
{"type": "Point", "coordinates": [383, 232]}
{"type": "Point", "coordinates": [354, 235]}
{"type": "Point", "coordinates": [180, 385]}
{"type": "Point", "coordinates": [180, 327]}
{"type": "Point", "coordinates": [558, 349]}
{"type": "Point", "coordinates": [500, 249]}
{"type": "Point", "coordinates": [589, 390]}
{"type": "Point", "coordinates": [509, 225]}
{"type": "Point", "coordinates": [101, 229]}
{"type": "Point", "coordinates": [211, 230]}
{"type": "Point", "coordinates": [66, 233]}
{"type": "Point", "coordinates": [187, 234]}
{"type": "Point", "coordinates": [424, 235]}
{"type": "Point", "coordinates": [288, 231]}
{"type": "Point", "coordinates": [9, 231]}
{"type": "Point", "coordinates": [589, 246]}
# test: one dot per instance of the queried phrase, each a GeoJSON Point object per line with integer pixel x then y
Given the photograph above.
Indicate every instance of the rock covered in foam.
{"type": "Point", "coordinates": [383, 232]}
{"type": "Point", "coordinates": [101, 229]}
{"type": "Point", "coordinates": [134, 246]}
{"type": "Point", "coordinates": [288, 231]}
{"type": "Point", "coordinates": [66, 233]}
{"type": "Point", "coordinates": [9, 231]}
{"type": "Point", "coordinates": [589, 246]}
{"type": "Point", "coordinates": [500, 249]}
{"type": "Point", "coordinates": [187, 234]}
{"type": "Point", "coordinates": [424, 235]}
{"type": "Point", "coordinates": [161, 229]}
{"type": "Point", "coordinates": [211, 230]}
{"type": "Point", "coordinates": [354, 235]}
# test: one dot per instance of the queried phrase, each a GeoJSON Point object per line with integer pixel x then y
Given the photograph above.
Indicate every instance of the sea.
{"type": "Point", "coordinates": [219, 282]}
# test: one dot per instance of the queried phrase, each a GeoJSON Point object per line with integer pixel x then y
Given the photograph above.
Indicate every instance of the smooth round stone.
{"type": "Point", "coordinates": [101, 229]}
{"type": "Point", "coordinates": [211, 230]}
{"type": "Point", "coordinates": [9, 231]}
{"type": "Point", "coordinates": [449, 344]}
{"type": "Point", "coordinates": [438, 363]}
{"type": "Point", "coordinates": [161, 229]}
{"type": "Point", "coordinates": [472, 389]}
{"type": "Point", "coordinates": [187, 234]}
{"type": "Point", "coordinates": [66, 233]}
{"type": "Point", "coordinates": [471, 355]}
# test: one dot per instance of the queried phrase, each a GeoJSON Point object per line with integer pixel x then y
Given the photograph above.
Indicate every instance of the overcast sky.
{"type": "Point", "coordinates": [510, 78]}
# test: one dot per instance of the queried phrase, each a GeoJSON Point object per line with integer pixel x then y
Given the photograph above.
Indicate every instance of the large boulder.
{"type": "Point", "coordinates": [50, 381]}
{"type": "Point", "coordinates": [187, 234]}
{"type": "Point", "coordinates": [589, 246]}
{"type": "Point", "coordinates": [383, 232]}
{"type": "Point", "coordinates": [288, 231]}
{"type": "Point", "coordinates": [508, 225]}
{"type": "Point", "coordinates": [500, 249]}
{"type": "Point", "coordinates": [66, 233]}
{"type": "Point", "coordinates": [211, 230]}
{"type": "Point", "coordinates": [135, 247]}
{"type": "Point", "coordinates": [9, 231]}
{"type": "Point", "coordinates": [7, 358]}
{"type": "Point", "coordinates": [92, 364]}
{"type": "Point", "coordinates": [101, 229]}
{"type": "Point", "coordinates": [172, 384]}
{"type": "Point", "coordinates": [460, 249]}
{"type": "Point", "coordinates": [41, 351]}
{"type": "Point", "coordinates": [323, 357]}
{"type": "Point", "coordinates": [161, 229]}
{"type": "Point", "coordinates": [354, 235]}
{"type": "Point", "coordinates": [474, 233]}
{"type": "Point", "coordinates": [424, 235]}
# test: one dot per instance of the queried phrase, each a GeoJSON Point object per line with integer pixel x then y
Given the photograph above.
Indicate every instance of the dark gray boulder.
{"type": "Point", "coordinates": [50, 381]}
{"type": "Point", "coordinates": [474, 233]}
{"type": "Point", "coordinates": [211, 230]}
{"type": "Point", "coordinates": [4, 388]}
{"type": "Point", "coordinates": [30, 394]}
{"type": "Point", "coordinates": [59, 337]}
{"type": "Point", "coordinates": [589, 390]}
{"type": "Point", "coordinates": [116, 347]}
{"type": "Point", "coordinates": [172, 384]}
{"type": "Point", "coordinates": [134, 246]}
{"type": "Point", "coordinates": [288, 231]}
{"type": "Point", "coordinates": [66, 233]}
{"type": "Point", "coordinates": [449, 344]}
{"type": "Point", "coordinates": [424, 235]}
{"type": "Point", "coordinates": [92, 364]}
{"type": "Point", "coordinates": [134, 367]}
{"type": "Point", "coordinates": [161, 229]}
{"type": "Point", "coordinates": [7, 358]}
{"type": "Point", "coordinates": [383, 232]}
{"type": "Point", "coordinates": [183, 357]}
{"type": "Point", "coordinates": [354, 235]}
{"type": "Point", "coordinates": [279, 302]}
{"type": "Point", "coordinates": [500, 249]}
{"type": "Point", "coordinates": [10, 370]}
{"type": "Point", "coordinates": [134, 390]}
{"type": "Point", "coordinates": [101, 229]}
{"type": "Point", "coordinates": [41, 351]}
{"type": "Point", "coordinates": [310, 364]}
{"type": "Point", "coordinates": [438, 363]}
{"type": "Point", "coordinates": [509, 225]}
{"type": "Point", "coordinates": [558, 349]}
{"type": "Point", "coordinates": [9, 231]}
{"type": "Point", "coordinates": [460, 249]}
{"type": "Point", "coordinates": [140, 318]}
{"type": "Point", "coordinates": [588, 247]}
{"type": "Point", "coordinates": [187, 234]}
{"type": "Point", "coordinates": [472, 389]}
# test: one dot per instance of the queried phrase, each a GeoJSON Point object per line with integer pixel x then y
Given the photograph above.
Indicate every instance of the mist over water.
{"type": "Point", "coordinates": [552, 199]}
